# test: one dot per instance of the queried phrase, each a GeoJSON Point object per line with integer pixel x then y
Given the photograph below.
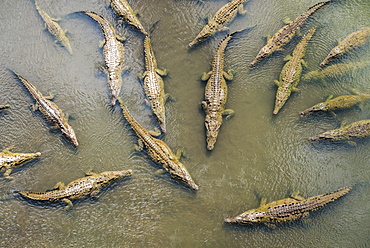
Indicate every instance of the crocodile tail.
{"type": "Point", "coordinates": [317, 6]}
{"type": "Point", "coordinates": [319, 201]}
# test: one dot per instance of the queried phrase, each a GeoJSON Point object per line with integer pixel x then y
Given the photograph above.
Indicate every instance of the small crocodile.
{"type": "Point", "coordinates": [113, 55]}
{"type": "Point", "coordinates": [286, 210]}
{"type": "Point", "coordinates": [158, 150]}
{"type": "Point", "coordinates": [352, 41]}
{"type": "Point", "coordinates": [340, 102]}
{"type": "Point", "coordinates": [291, 73]}
{"type": "Point", "coordinates": [215, 95]}
{"type": "Point", "coordinates": [348, 133]}
{"type": "Point", "coordinates": [10, 160]}
{"type": "Point", "coordinates": [77, 189]}
{"type": "Point", "coordinates": [124, 10]}
{"type": "Point", "coordinates": [218, 22]}
{"type": "Point", "coordinates": [2, 106]}
{"type": "Point", "coordinates": [50, 110]}
{"type": "Point", "coordinates": [54, 28]}
{"type": "Point", "coordinates": [286, 34]}
{"type": "Point", "coordinates": [333, 71]}
{"type": "Point", "coordinates": [153, 84]}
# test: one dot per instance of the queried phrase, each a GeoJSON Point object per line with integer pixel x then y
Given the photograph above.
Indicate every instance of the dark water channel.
{"type": "Point", "coordinates": [256, 155]}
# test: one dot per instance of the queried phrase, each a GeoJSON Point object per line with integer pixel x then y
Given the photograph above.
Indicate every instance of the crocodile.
{"type": "Point", "coordinates": [4, 106]}
{"type": "Point", "coordinates": [352, 41]}
{"type": "Point", "coordinates": [124, 10]}
{"type": "Point", "coordinates": [291, 73]}
{"type": "Point", "coordinates": [113, 55]}
{"type": "Point", "coordinates": [50, 110]}
{"type": "Point", "coordinates": [286, 210]}
{"type": "Point", "coordinates": [158, 150]}
{"type": "Point", "coordinates": [91, 185]}
{"type": "Point", "coordinates": [223, 16]}
{"type": "Point", "coordinates": [333, 71]}
{"type": "Point", "coordinates": [54, 28]}
{"type": "Point", "coordinates": [348, 133]}
{"type": "Point", "coordinates": [216, 93]}
{"type": "Point", "coordinates": [340, 102]}
{"type": "Point", "coordinates": [153, 84]}
{"type": "Point", "coordinates": [10, 160]}
{"type": "Point", "coordinates": [286, 34]}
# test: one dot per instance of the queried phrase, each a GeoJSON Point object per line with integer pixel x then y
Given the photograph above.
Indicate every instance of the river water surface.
{"type": "Point", "coordinates": [256, 155]}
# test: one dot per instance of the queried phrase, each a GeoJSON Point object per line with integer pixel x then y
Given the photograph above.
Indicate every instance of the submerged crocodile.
{"type": "Point", "coordinates": [348, 133]}
{"type": "Point", "coordinates": [54, 28]}
{"type": "Point", "coordinates": [218, 22]}
{"type": "Point", "coordinates": [215, 95]}
{"type": "Point", "coordinates": [352, 41]}
{"type": "Point", "coordinates": [10, 160]}
{"type": "Point", "coordinates": [153, 84]}
{"type": "Point", "coordinates": [340, 102]}
{"type": "Point", "coordinates": [124, 10]}
{"type": "Point", "coordinates": [286, 210]}
{"type": "Point", "coordinates": [77, 189]}
{"type": "Point", "coordinates": [50, 110]}
{"type": "Point", "coordinates": [2, 106]}
{"type": "Point", "coordinates": [333, 71]}
{"type": "Point", "coordinates": [159, 150]}
{"type": "Point", "coordinates": [285, 34]}
{"type": "Point", "coordinates": [113, 55]}
{"type": "Point", "coordinates": [291, 73]}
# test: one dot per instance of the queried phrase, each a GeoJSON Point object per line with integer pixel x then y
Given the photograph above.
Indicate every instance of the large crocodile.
{"type": "Point", "coordinates": [340, 102]}
{"type": "Point", "coordinates": [10, 160]}
{"type": "Point", "coordinates": [333, 71]}
{"type": "Point", "coordinates": [218, 22]}
{"type": "Point", "coordinates": [153, 84]}
{"type": "Point", "coordinates": [77, 189]}
{"type": "Point", "coordinates": [124, 10]}
{"type": "Point", "coordinates": [352, 41]}
{"type": "Point", "coordinates": [50, 110]}
{"type": "Point", "coordinates": [55, 29]}
{"type": "Point", "coordinates": [291, 73]}
{"type": "Point", "coordinates": [159, 150]}
{"type": "Point", "coordinates": [4, 106]}
{"type": "Point", "coordinates": [286, 210]}
{"type": "Point", "coordinates": [348, 133]}
{"type": "Point", "coordinates": [113, 55]}
{"type": "Point", "coordinates": [215, 95]}
{"type": "Point", "coordinates": [286, 34]}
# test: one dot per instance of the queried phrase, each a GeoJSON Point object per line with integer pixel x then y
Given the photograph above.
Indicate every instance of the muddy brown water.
{"type": "Point", "coordinates": [256, 155]}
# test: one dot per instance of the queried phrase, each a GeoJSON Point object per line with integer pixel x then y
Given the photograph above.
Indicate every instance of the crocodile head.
{"type": "Point", "coordinates": [213, 125]}
{"type": "Point", "coordinates": [332, 135]}
{"type": "Point", "coordinates": [206, 32]}
{"type": "Point", "coordinates": [178, 171]}
{"type": "Point", "coordinates": [333, 54]}
{"type": "Point", "coordinates": [160, 115]}
{"type": "Point", "coordinates": [70, 133]}
{"type": "Point", "coordinates": [318, 107]}
{"type": "Point", "coordinates": [264, 52]}
{"type": "Point", "coordinates": [249, 217]}
{"type": "Point", "coordinates": [282, 96]}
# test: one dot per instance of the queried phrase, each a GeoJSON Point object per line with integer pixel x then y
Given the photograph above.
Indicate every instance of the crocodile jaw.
{"type": "Point", "coordinates": [206, 32]}
{"type": "Point", "coordinates": [178, 171]}
{"type": "Point", "coordinates": [264, 52]}
{"type": "Point", "coordinates": [333, 54]}
{"type": "Point", "coordinates": [329, 135]}
{"type": "Point", "coordinates": [70, 133]}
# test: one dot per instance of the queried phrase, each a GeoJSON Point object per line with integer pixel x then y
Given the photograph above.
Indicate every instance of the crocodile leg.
{"type": "Point", "coordinates": [229, 75]}
{"type": "Point", "coordinates": [162, 73]}
{"type": "Point", "coordinates": [7, 150]}
{"type": "Point", "coordinates": [59, 185]}
{"type": "Point", "coordinates": [68, 202]}
{"type": "Point", "coordinates": [228, 113]}
{"type": "Point", "coordinates": [205, 76]}
{"type": "Point", "coordinates": [241, 10]}
{"type": "Point", "coordinates": [7, 173]}
{"type": "Point", "coordinates": [295, 195]}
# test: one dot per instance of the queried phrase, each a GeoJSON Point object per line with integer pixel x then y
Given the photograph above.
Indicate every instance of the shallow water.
{"type": "Point", "coordinates": [256, 155]}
